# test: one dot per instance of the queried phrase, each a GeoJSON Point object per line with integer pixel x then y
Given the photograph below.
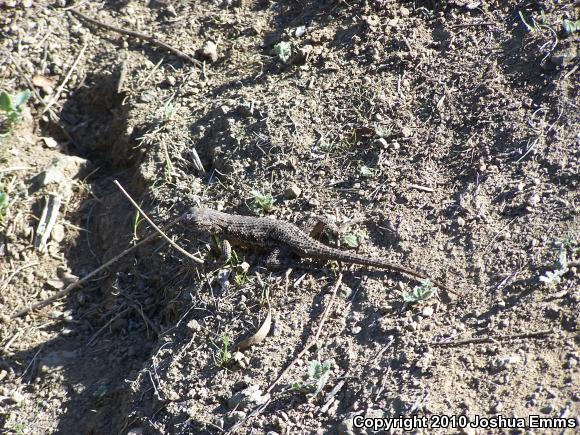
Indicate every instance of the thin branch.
{"type": "Point", "coordinates": [139, 35]}
{"type": "Point", "coordinates": [478, 340]}
{"type": "Point", "coordinates": [171, 242]}
{"type": "Point", "coordinates": [73, 286]}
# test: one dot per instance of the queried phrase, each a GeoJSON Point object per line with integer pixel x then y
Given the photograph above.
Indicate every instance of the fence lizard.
{"type": "Point", "coordinates": [274, 234]}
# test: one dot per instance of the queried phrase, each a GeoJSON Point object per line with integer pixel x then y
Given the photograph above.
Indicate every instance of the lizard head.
{"type": "Point", "coordinates": [202, 219]}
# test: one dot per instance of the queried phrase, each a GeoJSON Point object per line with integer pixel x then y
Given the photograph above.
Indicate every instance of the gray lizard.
{"type": "Point", "coordinates": [273, 234]}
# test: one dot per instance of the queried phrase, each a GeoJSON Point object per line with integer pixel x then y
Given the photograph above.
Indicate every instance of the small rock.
{"type": "Point", "coordinates": [55, 284]}
{"type": "Point", "coordinates": [4, 318]}
{"type": "Point", "coordinates": [49, 142]}
{"type": "Point", "coordinates": [209, 51]}
{"type": "Point", "coordinates": [57, 233]}
{"type": "Point", "coordinates": [534, 200]}
{"type": "Point", "coordinates": [460, 221]}
{"type": "Point", "coordinates": [300, 31]}
{"type": "Point", "coordinates": [313, 202]}
{"type": "Point", "coordinates": [498, 408]}
{"type": "Point", "coordinates": [406, 131]}
{"type": "Point", "coordinates": [292, 191]}
{"type": "Point", "coordinates": [248, 397]}
{"type": "Point", "coordinates": [356, 329]}
{"type": "Point", "coordinates": [136, 431]}
{"type": "Point", "coordinates": [404, 12]}
{"type": "Point", "coordinates": [428, 311]}
{"type": "Point", "coordinates": [194, 325]}
{"type": "Point", "coordinates": [548, 409]}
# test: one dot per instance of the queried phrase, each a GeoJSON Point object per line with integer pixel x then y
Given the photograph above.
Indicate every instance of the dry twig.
{"type": "Point", "coordinates": [171, 242]}
{"type": "Point", "coordinates": [139, 35]}
{"type": "Point", "coordinates": [477, 340]}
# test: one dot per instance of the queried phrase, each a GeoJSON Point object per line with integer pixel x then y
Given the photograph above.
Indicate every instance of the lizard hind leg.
{"type": "Point", "coordinates": [320, 228]}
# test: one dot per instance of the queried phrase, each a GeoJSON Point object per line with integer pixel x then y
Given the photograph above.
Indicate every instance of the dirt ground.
{"type": "Point", "coordinates": [441, 135]}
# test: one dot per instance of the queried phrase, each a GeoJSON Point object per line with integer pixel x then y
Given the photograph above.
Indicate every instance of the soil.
{"type": "Point", "coordinates": [444, 136]}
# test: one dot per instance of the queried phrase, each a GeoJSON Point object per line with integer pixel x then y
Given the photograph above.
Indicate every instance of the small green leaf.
{"type": "Point", "coordinates": [420, 293]}
{"type": "Point", "coordinates": [367, 172]}
{"type": "Point", "coordinates": [571, 27]}
{"type": "Point", "coordinates": [5, 102]}
{"type": "Point", "coordinates": [351, 240]}
{"type": "Point", "coordinates": [20, 99]}
{"type": "Point", "coordinates": [283, 50]}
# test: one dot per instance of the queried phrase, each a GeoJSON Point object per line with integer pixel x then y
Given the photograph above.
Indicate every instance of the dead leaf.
{"type": "Point", "coordinates": [43, 82]}
{"type": "Point", "coordinates": [260, 334]}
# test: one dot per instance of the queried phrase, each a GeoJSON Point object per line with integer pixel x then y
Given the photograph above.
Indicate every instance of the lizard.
{"type": "Point", "coordinates": [265, 232]}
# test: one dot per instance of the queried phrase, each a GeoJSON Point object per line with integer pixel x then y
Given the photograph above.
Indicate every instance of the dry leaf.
{"type": "Point", "coordinates": [260, 334]}
{"type": "Point", "coordinates": [43, 82]}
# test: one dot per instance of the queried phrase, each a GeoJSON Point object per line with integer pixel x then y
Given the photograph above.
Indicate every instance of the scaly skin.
{"type": "Point", "coordinates": [271, 233]}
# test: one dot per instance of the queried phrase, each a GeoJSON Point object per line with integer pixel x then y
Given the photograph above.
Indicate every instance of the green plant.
{"type": "Point", "coordinates": [420, 293]}
{"type": "Point", "coordinates": [351, 240]}
{"type": "Point", "coordinates": [570, 26]}
{"type": "Point", "coordinates": [4, 202]}
{"type": "Point", "coordinates": [568, 244]}
{"type": "Point", "coordinates": [367, 172]}
{"type": "Point", "coordinates": [223, 354]}
{"type": "Point", "coordinates": [283, 50]}
{"type": "Point", "coordinates": [11, 107]}
{"type": "Point", "coordinates": [317, 377]}
{"type": "Point", "coordinates": [261, 204]}
{"type": "Point", "coordinates": [240, 268]}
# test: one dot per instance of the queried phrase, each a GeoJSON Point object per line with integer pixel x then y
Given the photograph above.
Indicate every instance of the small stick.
{"type": "Point", "coordinates": [306, 348]}
{"type": "Point", "coordinates": [139, 35]}
{"type": "Point", "coordinates": [171, 242]}
{"type": "Point", "coordinates": [478, 340]}
{"type": "Point", "coordinates": [419, 187]}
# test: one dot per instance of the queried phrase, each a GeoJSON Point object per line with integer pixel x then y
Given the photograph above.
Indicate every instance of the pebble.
{"type": "Point", "coordinates": [404, 11]}
{"type": "Point", "coordinates": [534, 200]}
{"type": "Point", "coordinates": [209, 51]}
{"type": "Point", "coordinates": [460, 221]}
{"type": "Point", "coordinates": [300, 31]}
{"type": "Point", "coordinates": [57, 234]}
{"type": "Point", "coordinates": [248, 397]}
{"type": "Point", "coordinates": [428, 311]}
{"type": "Point", "coordinates": [292, 191]}
{"type": "Point", "coordinates": [356, 329]}
{"type": "Point", "coordinates": [194, 325]}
